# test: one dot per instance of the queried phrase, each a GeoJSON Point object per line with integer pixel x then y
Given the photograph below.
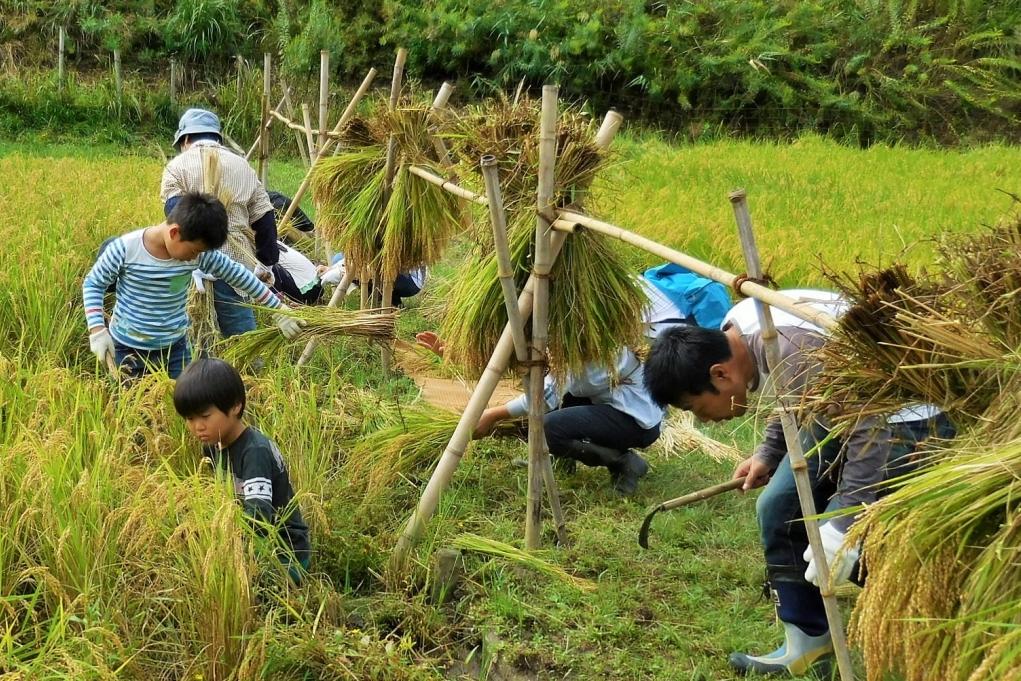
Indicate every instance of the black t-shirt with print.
{"type": "Point", "coordinates": [263, 486]}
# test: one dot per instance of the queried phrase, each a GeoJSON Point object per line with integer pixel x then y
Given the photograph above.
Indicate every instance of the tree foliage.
{"type": "Point", "coordinates": [861, 69]}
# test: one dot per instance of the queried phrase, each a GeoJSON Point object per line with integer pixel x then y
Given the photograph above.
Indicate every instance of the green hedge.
{"type": "Point", "coordinates": [856, 69]}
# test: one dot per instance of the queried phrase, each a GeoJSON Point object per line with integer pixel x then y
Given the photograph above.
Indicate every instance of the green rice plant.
{"type": "Point", "coordinates": [318, 323]}
{"type": "Point", "coordinates": [526, 559]}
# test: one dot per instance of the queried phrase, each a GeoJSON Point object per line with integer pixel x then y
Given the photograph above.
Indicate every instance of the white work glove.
{"type": "Point", "coordinates": [289, 326]}
{"type": "Point", "coordinates": [101, 344]}
{"type": "Point", "coordinates": [840, 558]}
{"type": "Point", "coordinates": [332, 275]}
{"type": "Point", "coordinates": [199, 278]}
{"type": "Point", "coordinates": [264, 274]}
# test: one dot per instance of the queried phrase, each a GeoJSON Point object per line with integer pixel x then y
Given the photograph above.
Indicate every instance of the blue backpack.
{"type": "Point", "coordinates": [696, 297]}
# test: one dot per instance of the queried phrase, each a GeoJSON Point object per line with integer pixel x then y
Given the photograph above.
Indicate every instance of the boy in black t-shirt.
{"type": "Point", "coordinates": [210, 395]}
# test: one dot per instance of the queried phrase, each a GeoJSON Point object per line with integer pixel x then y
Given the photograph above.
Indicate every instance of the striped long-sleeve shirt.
{"type": "Point", "coordinates": [152, 293]}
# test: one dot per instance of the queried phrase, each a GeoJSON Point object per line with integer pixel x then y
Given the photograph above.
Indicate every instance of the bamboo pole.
{"type": "Point", "coordinates": [791, 435]}
{"type": "Point", "coordinates": [232, 143]}
{"type": "Point", "coordinates": [569, 219]}
{"type": "Point", "coordinates": [257, 144]}
{"type": "Point", "coordinates": [491, 176]}
{"type": "Point", "coordinates": [267, 84]}
{"type": "Point", "coordinates": [118, 78]}
{"type": "Point", "coordinates": [448, 185]}
{"type": "Point", "coordinates": [339, 294]}
{"type": "Point", "coordinates": [324, 93]}
{"type": "Point", "coordinates": [321, 151]}
{"type": "Point", "coordinates": [324, 103]}
{"type": "Point", "coordinates": [363, 285]}
{"type": "Point", "coordinates": [442, 98]}
{"type": "Point", "coordinates": [289, 108]}
{"type": "Point", "coordinates": [483, 392]}
{"type": "Point", "coordinates": [306, 118]}
{"type": "Point", "coordinates": [387, 289]}
{"type": "Point", "coordinates": [173, 83]}
{"type": "Point", "coordinates": [60, 59]}
{"type": "Point", "coordinates": [540, 316]}
{"type": "Point", "coordinates": [444, 471]}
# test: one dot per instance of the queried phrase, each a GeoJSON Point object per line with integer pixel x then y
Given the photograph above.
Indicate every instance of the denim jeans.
{"type": "Point", "coordinates": [135, 363]}
{"type": "Point", "coordinates": [232, 316]}
{"type": "Point", "coordinates": [781, 529]}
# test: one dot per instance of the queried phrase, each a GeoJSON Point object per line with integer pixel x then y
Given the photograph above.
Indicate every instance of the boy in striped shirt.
{"type": "Point", "coordinates": [152, 270]}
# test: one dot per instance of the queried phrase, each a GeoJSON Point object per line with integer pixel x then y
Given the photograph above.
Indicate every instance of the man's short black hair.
{"type": "Point", "coordinates": [679, 363]}
{"type": "Point", "coordinates": [201, 217]}
{"type": "Point", "coordinates": [209, 382]}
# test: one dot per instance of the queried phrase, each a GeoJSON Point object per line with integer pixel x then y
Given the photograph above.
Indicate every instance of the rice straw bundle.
{"type": "Point", "coordinates": [527, 559]}
{"type": "Point", "coordinates": [595, 304]}
{"type": "Point", "coordinates": [393, 228]}
{"type": "Point", "coordinates": [204, 332]}
{"type": "Point", "coordinates": [944, 577]}
{"type": "Point", "coordinates": [321, 324]}
{"type": "Point", "coordinates": [408, 442]}
{"type": "Point", "coordinates": [943, 596]}
{"type": "Point", "coordinates": [510, 132]}
{"type": "Point", "coordinates": [679, 435]}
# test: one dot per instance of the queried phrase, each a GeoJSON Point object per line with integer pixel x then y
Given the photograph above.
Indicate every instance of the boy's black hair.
{"type": "Point", "coordinates": [201, 217]}
{"type": "Point", "coordinates": [679, 363]}
{"type": "Point", "coordinates": [209, 382]}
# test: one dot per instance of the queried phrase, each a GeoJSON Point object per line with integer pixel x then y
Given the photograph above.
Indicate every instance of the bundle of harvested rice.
{"type": "Point", "coordinates": [320, 324]}
{"type": "Point", "coordinates": [412, 438]}
{"type": "Point", "coordinates": [679, 436]}
{"type": "Point", "coordinates": [391, 228]}
{"type": "Point", "coordinates": [943, 596]}
{"type": "Point", "coordinates": [527, 559]}
{"type": "Point", "coordinates": [403, 440]}
{"type": "Point", "coordinates": [510, 132]}
{"type": "Point", "coordinates": [596, 303]}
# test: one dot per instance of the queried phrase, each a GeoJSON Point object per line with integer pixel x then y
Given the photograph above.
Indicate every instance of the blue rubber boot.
{"type": "Point", "coordinates": [806, 633]}
{"type": "Point", "coordinates": [798, 654]}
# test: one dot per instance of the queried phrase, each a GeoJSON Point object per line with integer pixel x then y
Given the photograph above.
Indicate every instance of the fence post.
{"type": "Point", "coordinates": [267, 85]}
{"type": "Point", "coordinates": [60, 60]}
{"type": "Point", "coordinates": [173, 83]}
{"type": "Point", "coordinates": [117, 77]}
{"type": "Point", "coordinates": [240, 63]}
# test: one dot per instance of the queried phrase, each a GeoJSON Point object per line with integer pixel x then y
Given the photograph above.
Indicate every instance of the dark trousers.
{"type": "Point", "coordinates": [285, 285]}
{"type": "Point", "coordinates": [404, 287]}
{"type": "Point", "coordinates": [579, 419]}
{"type": "Point", "coordinates": [782, 531]}
{"type": "Point", "coordinates": [135, 363]}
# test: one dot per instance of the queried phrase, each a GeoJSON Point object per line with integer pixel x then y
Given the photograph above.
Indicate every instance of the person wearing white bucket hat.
{"type": "Point", "coordinates": [252, 235]}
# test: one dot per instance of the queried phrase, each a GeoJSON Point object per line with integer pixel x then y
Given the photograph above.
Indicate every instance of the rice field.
{"type": "Point", "coordinates": [122, 556]}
